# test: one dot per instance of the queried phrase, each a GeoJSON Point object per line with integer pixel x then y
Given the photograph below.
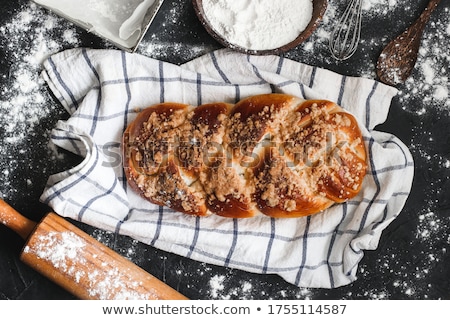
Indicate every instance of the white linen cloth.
{"type": "Point", "coordinates": [103, 90]}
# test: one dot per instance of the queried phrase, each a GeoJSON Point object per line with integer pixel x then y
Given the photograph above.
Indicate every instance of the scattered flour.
{"type": "Point", "coordinates": [430, 80]}
{"type": "Point", "coordinates": [222, 286]}
{"type": "Point", "coordinates": [429, 83]}
{"type": "Point", "coordinates": [162, 40]}
{"type": "Point", "coordinates": [162, 50]}
{"type": "Point", "coordinates": [410, 273]}
{"type": "Point", "coordinates": [377, 6]}
{"type": "Point", "coordinates": [216, 284]}
{"type": "Point", "coordinates": [25, 105]}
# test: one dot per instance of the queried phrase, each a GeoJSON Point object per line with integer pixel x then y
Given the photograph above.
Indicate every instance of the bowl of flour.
{"type": "Point", "coordinates": [260, 26]}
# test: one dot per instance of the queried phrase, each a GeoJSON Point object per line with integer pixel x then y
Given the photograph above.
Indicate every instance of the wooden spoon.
{"type": "Point", "coordinates": [398, 58]}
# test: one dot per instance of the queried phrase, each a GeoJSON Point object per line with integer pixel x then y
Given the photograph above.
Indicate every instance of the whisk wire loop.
{"type": "Point", "coordinates": [346, 34]}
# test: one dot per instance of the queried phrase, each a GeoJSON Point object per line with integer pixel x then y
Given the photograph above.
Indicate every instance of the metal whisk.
{"type": "Point", "coordinates": [345, 36]}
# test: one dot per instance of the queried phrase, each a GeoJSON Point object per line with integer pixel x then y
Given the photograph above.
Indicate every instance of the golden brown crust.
{"type": "Point", "coordinates": [271, 154]}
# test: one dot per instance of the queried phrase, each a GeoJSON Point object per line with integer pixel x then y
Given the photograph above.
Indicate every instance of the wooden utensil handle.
{"type": "Point", "coordinates": [15, 221]}
{"type": "Point", "coordinates": [417, 28]}
{"type": "Point", "coordinates": [425, 16]}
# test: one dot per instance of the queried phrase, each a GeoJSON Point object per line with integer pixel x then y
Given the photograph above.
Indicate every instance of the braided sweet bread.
{"type": "Point", "coordinates": [271, 154]}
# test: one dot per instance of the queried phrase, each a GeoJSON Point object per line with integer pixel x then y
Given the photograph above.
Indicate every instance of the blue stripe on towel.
{"type": "Point", "coordinates": [99, 98]}
{"type": "Point", "coordinates": [63, 84]}
{"type": "Point", "coordinates": [269, 246]}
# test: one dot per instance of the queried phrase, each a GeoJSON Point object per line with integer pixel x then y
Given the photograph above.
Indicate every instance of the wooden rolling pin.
{"type": "Point", "coordinates": [79, 263]}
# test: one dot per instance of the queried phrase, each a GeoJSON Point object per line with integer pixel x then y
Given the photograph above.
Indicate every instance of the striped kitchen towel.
{"type": "Point", "coordinates": [103, 89]}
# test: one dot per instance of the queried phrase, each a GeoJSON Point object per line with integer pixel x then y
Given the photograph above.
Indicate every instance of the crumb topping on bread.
{"type": "Point", "coordinates": [272, 154]}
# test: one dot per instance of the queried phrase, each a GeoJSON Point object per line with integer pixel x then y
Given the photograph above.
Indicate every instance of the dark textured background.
{"type": "Point", "coordinates": [412, 260]}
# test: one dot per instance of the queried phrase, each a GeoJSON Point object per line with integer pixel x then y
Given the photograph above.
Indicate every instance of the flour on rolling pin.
{"type": "Point", "coordinates": [66, 252]}
{"type": "Point", "coordinates": [82, 265]}
{"type": "Point", "coordinates": [258, 24]}
{"type": "Point", "coordinates": [59, 249]}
